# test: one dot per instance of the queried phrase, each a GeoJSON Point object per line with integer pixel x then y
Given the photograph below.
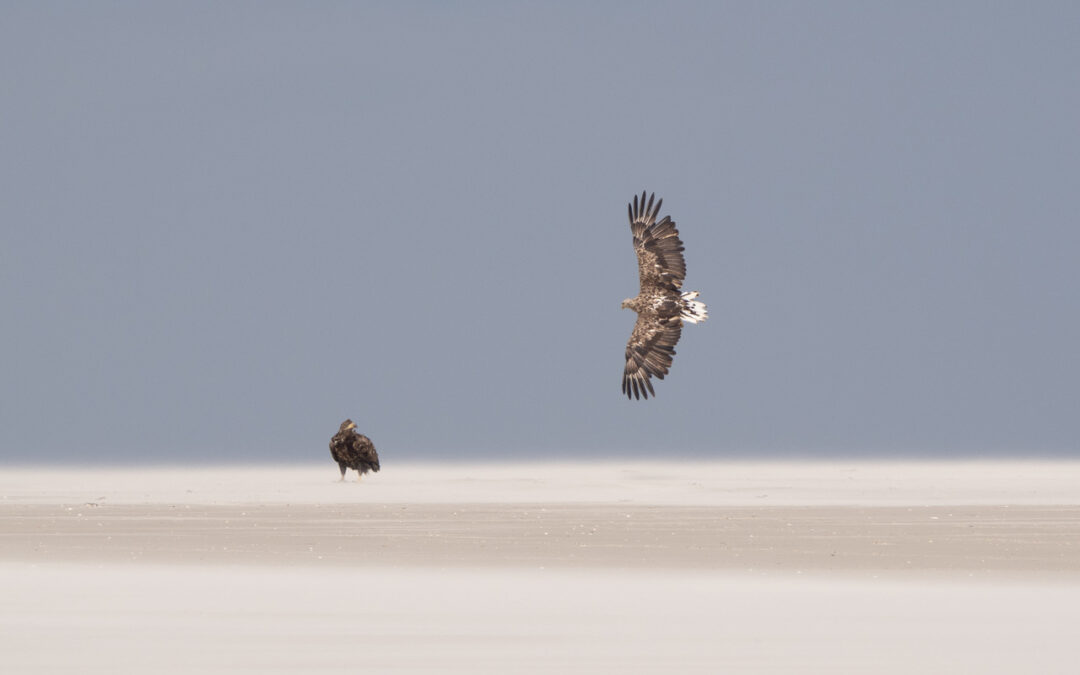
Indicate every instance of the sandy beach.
{"type": "Point", "coordinates": [601, 567]}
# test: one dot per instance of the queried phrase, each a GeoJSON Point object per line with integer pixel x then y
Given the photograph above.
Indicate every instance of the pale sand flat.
{"type": "Point", "coordinates": [258, 619]}
{"type": "Point", "coordinates": [833, 482]}
{"type": "Point", "coordinates": [638, 568]}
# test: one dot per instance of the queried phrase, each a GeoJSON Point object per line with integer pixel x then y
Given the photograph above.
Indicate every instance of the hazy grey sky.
{"type": "Point", "coordinates": [228, 226]}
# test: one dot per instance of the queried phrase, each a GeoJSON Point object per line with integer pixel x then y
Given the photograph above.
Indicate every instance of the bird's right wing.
{"type": "Point", "coordinates": [365, 449]}
{"type": "Point", "coordinates": [649, 353]}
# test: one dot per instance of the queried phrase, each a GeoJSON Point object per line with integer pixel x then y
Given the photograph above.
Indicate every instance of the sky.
{"type": "Point", "coordinates": [226, 227]}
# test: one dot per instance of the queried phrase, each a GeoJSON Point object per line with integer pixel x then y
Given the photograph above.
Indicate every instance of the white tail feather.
{"type": "Point", "coordinates": [693, 310]}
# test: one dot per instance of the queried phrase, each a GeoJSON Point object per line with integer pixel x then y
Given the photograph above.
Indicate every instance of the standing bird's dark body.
{"type": "Point", "coordinates": [352, 450]}
{"type": "Point", "coordinates": [661, 305]}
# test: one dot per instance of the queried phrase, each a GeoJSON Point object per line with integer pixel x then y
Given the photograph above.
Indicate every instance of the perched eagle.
{"type": "Point", "coordinates": [660, 305]}
{"type": "Point", "coordinates": [353, 451]}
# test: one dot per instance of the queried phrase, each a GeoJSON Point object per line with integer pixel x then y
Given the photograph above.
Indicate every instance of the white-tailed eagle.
{"type": "Point", "coordinates": [661, 305]}
{"type": "Point", "coordinates": [353, 450]}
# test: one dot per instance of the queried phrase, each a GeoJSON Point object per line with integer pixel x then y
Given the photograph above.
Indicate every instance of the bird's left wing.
{"type": "Point", "coordinates": [657, 244]}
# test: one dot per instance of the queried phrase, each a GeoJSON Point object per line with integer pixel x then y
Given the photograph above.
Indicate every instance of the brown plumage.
{"type": "Point", "coordinates": [352, 450]}
{"type": "Point", "coordinates": [661, 305]}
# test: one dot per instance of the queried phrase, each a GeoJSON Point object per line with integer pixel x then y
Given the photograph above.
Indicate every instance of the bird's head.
{"type": "Point", "coordinates": [346, 425]}
{"type": "Point", "coordinates": [626, 303]}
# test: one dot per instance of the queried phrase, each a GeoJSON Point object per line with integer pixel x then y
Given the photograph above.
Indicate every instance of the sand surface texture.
{"type": "Point", "coordinates": [607, 567]}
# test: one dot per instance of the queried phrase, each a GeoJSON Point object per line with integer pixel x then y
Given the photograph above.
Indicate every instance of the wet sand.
{"type": "Point", "coordinates": [1038, 541]}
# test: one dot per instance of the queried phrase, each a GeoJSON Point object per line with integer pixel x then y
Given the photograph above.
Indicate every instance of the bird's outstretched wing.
{"type": "Point", "coordinates": [659, 249]}
{"type": "Point", "coordinates": [649, 353]}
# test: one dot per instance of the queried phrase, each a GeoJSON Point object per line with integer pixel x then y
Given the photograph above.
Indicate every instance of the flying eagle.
{"type": "Point", "coordinates": [660, 305]}
{"type": "Point", "coordinates": [353, 451]}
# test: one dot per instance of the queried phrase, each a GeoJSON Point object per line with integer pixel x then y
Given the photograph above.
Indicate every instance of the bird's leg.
{"type": "Point", "coordinates": [342, 467]}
